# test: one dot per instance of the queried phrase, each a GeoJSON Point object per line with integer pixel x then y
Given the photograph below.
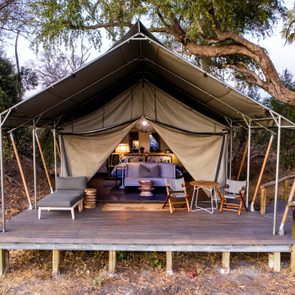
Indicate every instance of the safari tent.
{"type": "Point", "coordinates": [93, 109]}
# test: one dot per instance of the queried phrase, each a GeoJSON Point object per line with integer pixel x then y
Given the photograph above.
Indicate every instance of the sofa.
{"type": "Point", "coordinates": [157, 172]}
{"type": "Point", "coordinates": [69, 194]}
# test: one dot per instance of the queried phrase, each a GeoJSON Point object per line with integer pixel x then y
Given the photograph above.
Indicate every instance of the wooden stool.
{"type": "Point", "coordinates": [90, 198]}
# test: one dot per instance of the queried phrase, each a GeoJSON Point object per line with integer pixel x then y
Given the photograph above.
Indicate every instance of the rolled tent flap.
{"type": "Point", "coordinates": [82, 155]}
{"type": "Point", "coordinates": [199, 154]}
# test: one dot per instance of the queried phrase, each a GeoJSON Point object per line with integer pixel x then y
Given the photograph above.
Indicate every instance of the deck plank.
{"type": "Point", "coordinates": [93, 226]}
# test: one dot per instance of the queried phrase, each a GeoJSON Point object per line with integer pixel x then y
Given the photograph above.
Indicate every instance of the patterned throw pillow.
{"type": "Point", "coordinates": [149, 172]}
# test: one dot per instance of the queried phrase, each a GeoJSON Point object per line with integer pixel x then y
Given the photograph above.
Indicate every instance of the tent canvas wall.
{"type": "Point", "coordinates": [197, 141]}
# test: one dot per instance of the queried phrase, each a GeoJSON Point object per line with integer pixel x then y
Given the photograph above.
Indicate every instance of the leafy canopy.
{"type": "Point", "coordinates": [62, 21]}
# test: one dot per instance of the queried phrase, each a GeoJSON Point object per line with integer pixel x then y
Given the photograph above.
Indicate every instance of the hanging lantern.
{"type": "Point", "coordinates": [143, 125]}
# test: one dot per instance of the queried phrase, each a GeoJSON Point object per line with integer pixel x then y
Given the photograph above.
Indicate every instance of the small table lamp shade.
{"type": "Point", "coordinates": [122, 148]}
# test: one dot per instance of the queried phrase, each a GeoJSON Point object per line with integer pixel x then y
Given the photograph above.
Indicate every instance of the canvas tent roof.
{"type": "Point", "coordinates": [139, 55]}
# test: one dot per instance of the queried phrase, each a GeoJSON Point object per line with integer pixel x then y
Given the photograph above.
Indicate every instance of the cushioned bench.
{"type": "Point", "coordinates": [156, 172]}
{"type": "Point", "coordinates": [69, 194]}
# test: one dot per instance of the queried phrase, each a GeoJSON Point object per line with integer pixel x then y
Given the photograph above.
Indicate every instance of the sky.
{"type": "Point", "coordinates": [282, 55]}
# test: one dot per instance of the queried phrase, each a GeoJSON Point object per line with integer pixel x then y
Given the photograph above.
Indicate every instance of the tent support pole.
{"type": "Point", "coordinates": [54, 152]}
{"type": "Point", "coordinates": [231, 151]}
{"type": "Point", "coordinates": [2, 179]}
{"type": "Point", "coordinates": [277, 175]}
{"type": "Point", "coordinates": [34, 165]}
{"type": "Point", "coordinates": [43, 162]}
{"type": "Point", "coordinates": [58, 148]}
{"type": "Point", "coordinates": [261, 173]}
{"type": "Point", "coordinates": [242, 161]}
{"type": "Point", "coordinates": [21, 170]}
{"type": "Point", "coordinates": [248, 162]}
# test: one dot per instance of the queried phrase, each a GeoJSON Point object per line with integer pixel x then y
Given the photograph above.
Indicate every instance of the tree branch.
{"type": "Point", "coordinates": [100, 26]}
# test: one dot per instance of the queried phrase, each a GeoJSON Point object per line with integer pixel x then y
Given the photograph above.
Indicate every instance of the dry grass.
{"type": "Point", "coordinates": [143, 273]}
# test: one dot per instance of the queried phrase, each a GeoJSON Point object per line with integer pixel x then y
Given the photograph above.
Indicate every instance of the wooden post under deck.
{"type": "Point", "coordinates": [292, 259]}
{"type": "Point", "coordinates": [225, 262]}
{"type": "Point", "coordinates": [274, 261]}
{"type": "Point", "coordinates": [169, 262]}
{"type": "Point", "coordinates": [112, 262]}
{"type": "Point", "coordinates": [277, 261]}
{"type": "Point", "coordinates": [4, 261]}
{"type": "Point", "coordinates": [55, 262]}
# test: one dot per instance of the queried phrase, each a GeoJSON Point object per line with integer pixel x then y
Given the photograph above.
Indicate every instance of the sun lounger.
{"type": "Point", "coordinates": [68, 195]}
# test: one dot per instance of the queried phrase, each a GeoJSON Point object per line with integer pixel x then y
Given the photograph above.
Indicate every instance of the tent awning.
{"type": "Point", "coordinates": [138, 56]}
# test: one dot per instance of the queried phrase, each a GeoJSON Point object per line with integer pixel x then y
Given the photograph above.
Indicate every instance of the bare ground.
{"type": "Point", "coordinates": [143, 273]}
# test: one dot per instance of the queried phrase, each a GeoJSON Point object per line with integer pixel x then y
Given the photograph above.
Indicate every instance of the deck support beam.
{"type": "Point", "coordinates": [274, 261]}
{"type": "Point", "coordinates": [4, 261]}
{"type": "Point", "coordinates": [225, 263]}
{"type": "Point", "coordinates": [169, 262]}
{"type": "Point", "coordinates": [292, 259]}
{"type": "Point", "coordinates": [55, 262]}
{"type": "Point", "coordinates": [112, 262]}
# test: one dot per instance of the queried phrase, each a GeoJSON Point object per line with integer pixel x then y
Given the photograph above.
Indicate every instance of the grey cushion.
{"type": "Point", "coordinates": [132, 169]}
{"type": "Point", "coordinates": [167, 170]}
{"type": "Point", "coordinates": [62, 198]}
{"type": "Point", "coordinates": [71, 183]}
{"type": "Point", "coordinates": [149, 171]}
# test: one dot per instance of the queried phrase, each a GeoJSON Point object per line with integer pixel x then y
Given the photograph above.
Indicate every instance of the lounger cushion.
{"type": "Point", "coordinates": [61, 198]}
{"type": "Point", "coordinates": [71, 183]}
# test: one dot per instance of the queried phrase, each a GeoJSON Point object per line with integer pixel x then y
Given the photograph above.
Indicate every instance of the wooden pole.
{"type": "Point", "coordinates": [276, 261]}
{"type": "Point", "coordinates": [21, 170]}
{"type": "Point", "coordinates": [169, 262]}
{"type": "Point", "coordinates": [225, 262]}
{"type": "Point", "coordinates": [286, 187]}
{"type": "Point", "coordinates": [261, 173]}
{"type": "Point", "coordinates": [43, 162]}
{"type": "Point", "coordinates": [55, 262]}
{"type": "Point", "coordinates": [292, 259]}
{"type": "Point", "coordinates": [112, 262]}
{"type": "Point", "coordinates": [4, 261]}
{"type": "Point", "coordinates": [242, 161]}
{"type": "Point", "coordinates": [281, 229]}
{"type": "Point", "coordinates": [262, 200]}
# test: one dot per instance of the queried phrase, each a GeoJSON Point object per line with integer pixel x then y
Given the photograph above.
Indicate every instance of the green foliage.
{"type": "Point", "coordinates": [122, 255]}
{"type": "Point", "coordinates": [9, 84]}
{"type": "Point", "coordinates": [62, 21]}
{"type": "Point", "coordinates": [156, 260]}
{"type": "Point", "coordinates": [287, 135]}
{"type": "Point", "coordinates": [288, 32]}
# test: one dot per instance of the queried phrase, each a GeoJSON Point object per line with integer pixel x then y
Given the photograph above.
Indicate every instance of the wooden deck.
{"type": "Point", "coordinates": [95, 229]}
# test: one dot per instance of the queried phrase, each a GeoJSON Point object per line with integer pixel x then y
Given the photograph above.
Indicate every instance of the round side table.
{"type": "Point", "coordinates": [90, 198]}
{"type": "Point", "coordinates": [210, 187]}
{"type": "Point", "coordinates": [146, 187]}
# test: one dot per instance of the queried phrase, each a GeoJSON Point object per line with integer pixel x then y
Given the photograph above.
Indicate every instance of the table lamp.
{"type": "Point", "coordinates": [122, 149]}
